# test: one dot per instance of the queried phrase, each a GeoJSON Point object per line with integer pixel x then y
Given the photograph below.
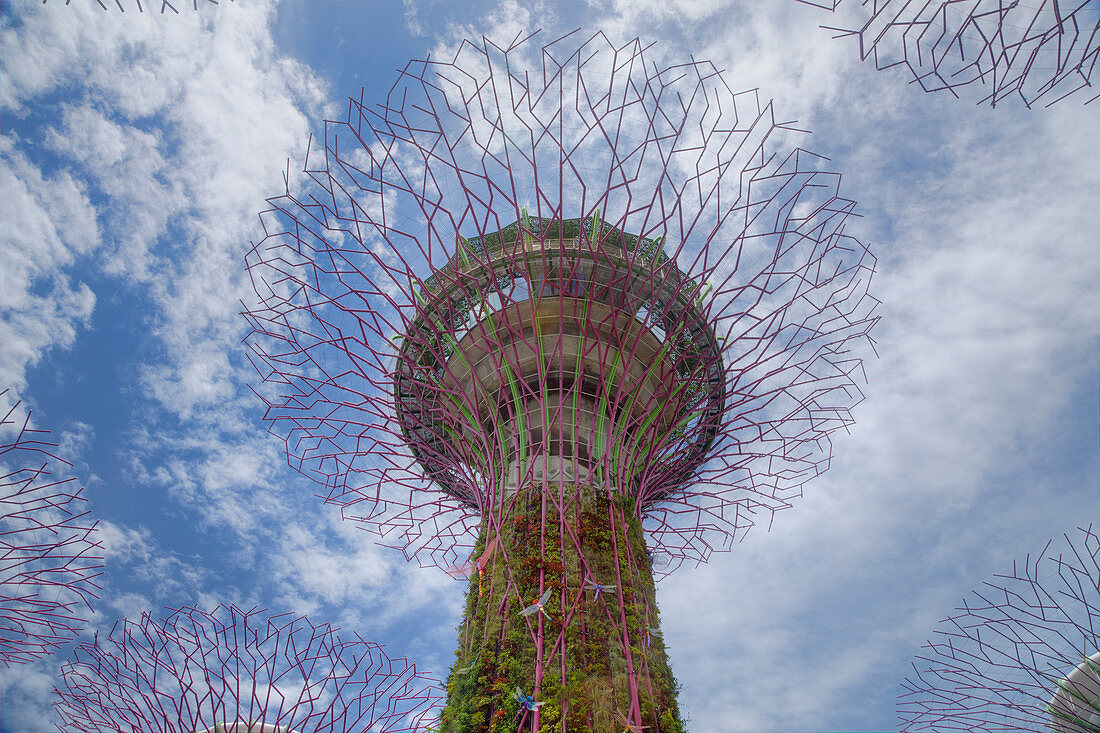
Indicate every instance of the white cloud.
{"type": "Point", "coordinates": [332, 562]}
{"type": "Point", "coordinates": [127, 166]}
{"type": "Point", "coordinates": [183, 125]}
{"type": "Point", "coordinates": [28, 694]}
{"type": "Point", "coordinates": [124, 544]}
{"type": "Point", "coordinates": [180, 127]}
{"type": "Point", "coordinates": [135, 553]}
{"type": "Point", "coordinates": [48, 223]}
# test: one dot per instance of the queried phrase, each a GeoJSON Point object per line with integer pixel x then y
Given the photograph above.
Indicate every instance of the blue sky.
{"type": "Point", "coordinates": [137, 150]}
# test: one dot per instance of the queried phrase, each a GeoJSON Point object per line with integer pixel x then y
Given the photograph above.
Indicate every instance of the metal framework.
{"type": "Point", "coordinates": [165, 5]}
{"type": "Point", "coordinates": [237, 670]}
{"type": "Point", "coordinates": [552, 317]}
{"type": "Point", "coordinates": [1044, 50]}
{"type": "Point", "coordinates": [48, 546]}
{"type": "Point", "coordinates": [1023, 654]}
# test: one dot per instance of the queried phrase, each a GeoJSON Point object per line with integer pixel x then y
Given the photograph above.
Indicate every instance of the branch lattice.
{"type": "Point", "coordinates": [196, 670]}
{"type": "Point", "coordinates": [161, 6]}
{"type": "Point", "coordinates": [48, 549]}
{"type": "Point", "coordinates": [1022, 654]}
{"type": "Point", "coordinates": [1034, 51]}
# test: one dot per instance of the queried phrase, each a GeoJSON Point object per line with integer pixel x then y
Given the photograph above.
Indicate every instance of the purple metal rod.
{"type": "Point", "coordinates": [197, 670]}
{"type": "Point", "coordinates": [1023, 654]}
{"type": "Point", "coordinates": [48, 548]}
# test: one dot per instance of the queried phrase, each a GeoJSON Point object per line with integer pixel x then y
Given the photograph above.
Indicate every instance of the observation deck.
{"type": "Point", "coordinates": [559, 349]}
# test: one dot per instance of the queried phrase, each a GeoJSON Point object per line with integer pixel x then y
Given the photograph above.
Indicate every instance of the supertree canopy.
{"type": "Point", "coordinates": [550, 317]}
{"type": "Point", "coordinates": [1038, 50]}
{"type": "Point", "coordinates": [48, 548]}
{"type": "Point", "coordinates": [1023, 654]}
{"type": "Point", "coordinates": [238, 671]}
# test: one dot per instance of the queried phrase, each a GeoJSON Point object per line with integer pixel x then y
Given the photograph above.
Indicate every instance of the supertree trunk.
{"type": "Point", "coordinates": [596, 636]}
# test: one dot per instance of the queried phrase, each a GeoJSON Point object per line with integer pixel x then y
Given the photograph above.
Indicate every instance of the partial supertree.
{"type": "Point", "coordinates": [48, 548]}
{"type": "Point", "coordinates": [1023, 654]}
{"type": "Point", "coordinates": [550, 317]}
{"type": "Point", "coordinates": [237, 670]}
{"type": "Point", "coordinates": [163, 6]}
{"type": "Point", "coordinates": [1042, 50]}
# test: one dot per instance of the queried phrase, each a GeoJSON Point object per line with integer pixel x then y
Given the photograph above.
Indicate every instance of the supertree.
{"type": "Point", "coordinates": [48, 546]}
{"type": "Point", "coordinates": [243, 671]}
{"type": "Point", "coordinates": [1023, 654]}
{"type": "Point", "coordinates": [550, 317]}
{"type": "Point", "coordinates": [1045, 50]}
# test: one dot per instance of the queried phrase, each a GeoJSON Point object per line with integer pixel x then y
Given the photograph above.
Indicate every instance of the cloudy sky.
{"type": "Point", "coordinates": [137, 150]}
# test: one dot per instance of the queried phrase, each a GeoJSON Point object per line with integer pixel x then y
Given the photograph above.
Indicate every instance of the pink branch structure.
{"type": "Point", "coordinates": [232, 669]}
{"type": "Point", "coordinates": [1043, 50]}
{"type": "Point", "coordinates": [48, 547]}
{"type": "Point", "coordinates": [1023, 654]}
{"type": "Point", "coordinates": [550, 316]}
{"type": "Point", "coordinates": [164, 5]}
